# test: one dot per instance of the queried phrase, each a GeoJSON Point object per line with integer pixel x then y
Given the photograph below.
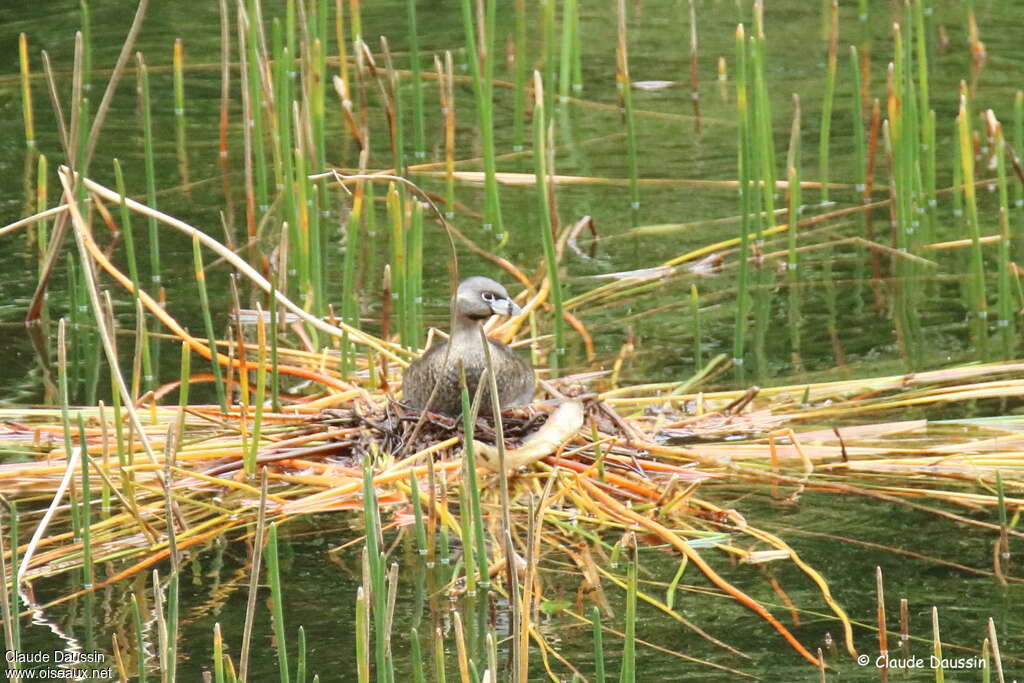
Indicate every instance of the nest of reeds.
{"type": "Point", "coordinates": [609, 468]}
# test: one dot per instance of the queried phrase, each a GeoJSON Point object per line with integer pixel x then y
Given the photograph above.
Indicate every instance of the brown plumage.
{"type": "Point", "coordinates": [477, 299]}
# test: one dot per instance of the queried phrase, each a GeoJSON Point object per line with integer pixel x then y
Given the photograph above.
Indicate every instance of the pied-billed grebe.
{"type": "Point", "coordinates": [477, 299]}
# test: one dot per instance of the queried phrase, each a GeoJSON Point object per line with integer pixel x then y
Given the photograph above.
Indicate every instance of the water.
{"type": "Point", "coordinates": [864, 343]}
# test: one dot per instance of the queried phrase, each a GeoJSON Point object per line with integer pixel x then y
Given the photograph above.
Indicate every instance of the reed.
{"type": "Point", "coordinates": [598, 638]}
{"type": "Point", "coordinates": [150, 169]}
{"type": "Point", "coordinates": [14, 603]}
{"type": "Point", "coordinates": [140, 642]}
{"type": "Point", "coordinates": [255, 563]}
{"type": "Point", "coordinates": [1018, 188]}
{"type": "Point", "coordinates": [399, 263]}
{"type": "Point", "coordinates": [414, 277]}
{"type": "Point", "coordinates": [85, 20]}
{"type": "Point", "coordinates": [1006, 302]}
{"type": "Point", "coordinates": [883, 633]}
{"type": "Point", "coordinates": [28, 119]}
{"type": "Point", "coordinates": [151, 376]}
{"type": "Point", "coordinates": [793, 163]}
{"type": "Point", "coordinates": [419, 126]}
{"type": "Point", "coordinates": [300, 666]}
{"type": "Point", "coordinates": [481, 68]}
{"type": "Point", "coordinates": [446, 84]}
{"type": "Point", "coordinates": [473, 514]}
{"type": "Point", "coordinates": [420, 525]}
{"type": "Point", "coordinates": [977, 300]}
{"type": "Point", "coordinates": [375, 562]}
{"type": "Point", "coordinates": [548, 33]}
{"type": "Point", "coordinates": [178, 70]}
{"type": "Point", "coordinates": [547, 227]}
{"type": "Point", "coordinates": [694, 74]}
{"type": "Point", "coordinates": [204, 305]}
{"type": "Point", "coordinates": [940, 673]}
{"type": "Point", "coordinates": [261, 390]}
{"type": "Point", "coordinates": [6, 611]}
{"type": "Point", "coordinates": [743, 163]}
{"type": "Point", "coordinates": [627, 673]}
{"type": "Point", "coordinates": [698, 337]}
{"type": "Point", "coordinates": [85, 509]}
{"type": "Point", "coordinates": [826, 105]}
{"type": "Point", "coordinates": [218, 654]}
{"type": "Point", "coordinates": [349, 301]}
{"type": "Point", "coordinates": [254, 62]}
{"type": "Point", "coordinates": [625, 86]}
{"type": "Point", "coordinates": [519, 77]}
{"type": "Point", "coordinates": [566, 60]}
{"type": "Point", "coordinates": [763, 175]}
{"type": "Point", "coordinates": [277, 603]}
{"type": "Point", "coordinates": [929, 185]}
{"type": "Point", "coordinates": [43, 226]}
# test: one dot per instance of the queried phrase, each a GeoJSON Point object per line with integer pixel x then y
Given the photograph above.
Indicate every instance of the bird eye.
{"type": "Point", "coordinates": [488, 296]}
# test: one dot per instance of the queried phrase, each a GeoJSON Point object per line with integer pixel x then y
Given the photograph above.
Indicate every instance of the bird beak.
{"type": "Point", "coordinates": [505, 307]}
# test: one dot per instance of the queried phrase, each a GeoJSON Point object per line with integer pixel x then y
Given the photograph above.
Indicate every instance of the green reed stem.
{"type": "Point", "coordinates": [275, 375]}
{"type": "Point", "coordinates": [179, 109]}
{"type": "Point", "coordinates": [15, 602]}
{"type": "Point", "coordinates": [414, 278]}
{"type": "Point", "coordinates": [977, 300]}
{"type": "Point", "coordinates": [300, 667]}
{"type": "Point", "coordinates": [218, 654]}
{"type": "Point", "coordinates": [416, 654]}
{"type": "Point", "coordinates": [183, 388]}
{"type": "Point", "coordinates": [547, 227]}
{"type": "Point", "coordinates": [259, 102]}
{"type": "Point", "coordinates": [147, 132]}
{"type": "Point", "coordinates": [42, 202]}
{"type": "Point", "coordinates": [6, 610]}
{"type": "Point", "coordinates": [417, 509]}
{"type": "Point", "coordinates": [628, 672]}
{"type": "Point", "coordinates": [483, 90]}
{"type": "Point", "coordinates": [261, 391]}
{"type": "Point", "coordinates": [298, 189]}
{"type": "Point", "coordinates": [204, 304]}
{"type": "Point", "coordinates": [1018, 188]}
{"type": "Point", "coordinates": [473, 486]}
{"type": "Point", "coordinates": [317, 95]}
{"type": "Point", "coordinates": [940, 674]}
{"type": "Point", "coordinates": [469, 550]}
{"type": "Point", "coordinates": [399, 286]}
{"type": "Point", "coordinates": [439, 668]}
{"type": "Point", "coordinates": [362, 636]}
{"type": "Point", "coordinates": [595, 621]}
{"type": "Point", "coordinates": [85, 516]}
{"type": "Point", "coordinates": [140, 643]}
{"type": "Point", "coordinates": [1005, 297]}
{"type": "Point", "coordinates": [698, 340]}
{"type": "Point", "coordinates": [172, 624]}
{"type": "Point", "coordinates": [26, 92]}
{"type": "Point", "coordinates": [519, 101]}
{"type": "Point", "coordinates": [625, 92]}
{"type": "Point", "coordinates": [826, 105]}
{"type": "Point", "coordinates": [65, 416]}
{"type": "Point", "coordinates": [317, 256]}
{"type": "Point", "coordinates": [419, 129]}
{"type": "Point", "coordinates": [349, 302]}
{"type": "Point", "coordinates": [793, 164]}
{"type": "Point", "coordinates": [151, 374]}
{"type": "Point", "coordinates": [378, 592]}
{"type": "Point", "coordinates": [743, 161]}
{"type": "Point", "coordinates": [277, 600]}
{"type": "Point", "coordinates": [566, 57]}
